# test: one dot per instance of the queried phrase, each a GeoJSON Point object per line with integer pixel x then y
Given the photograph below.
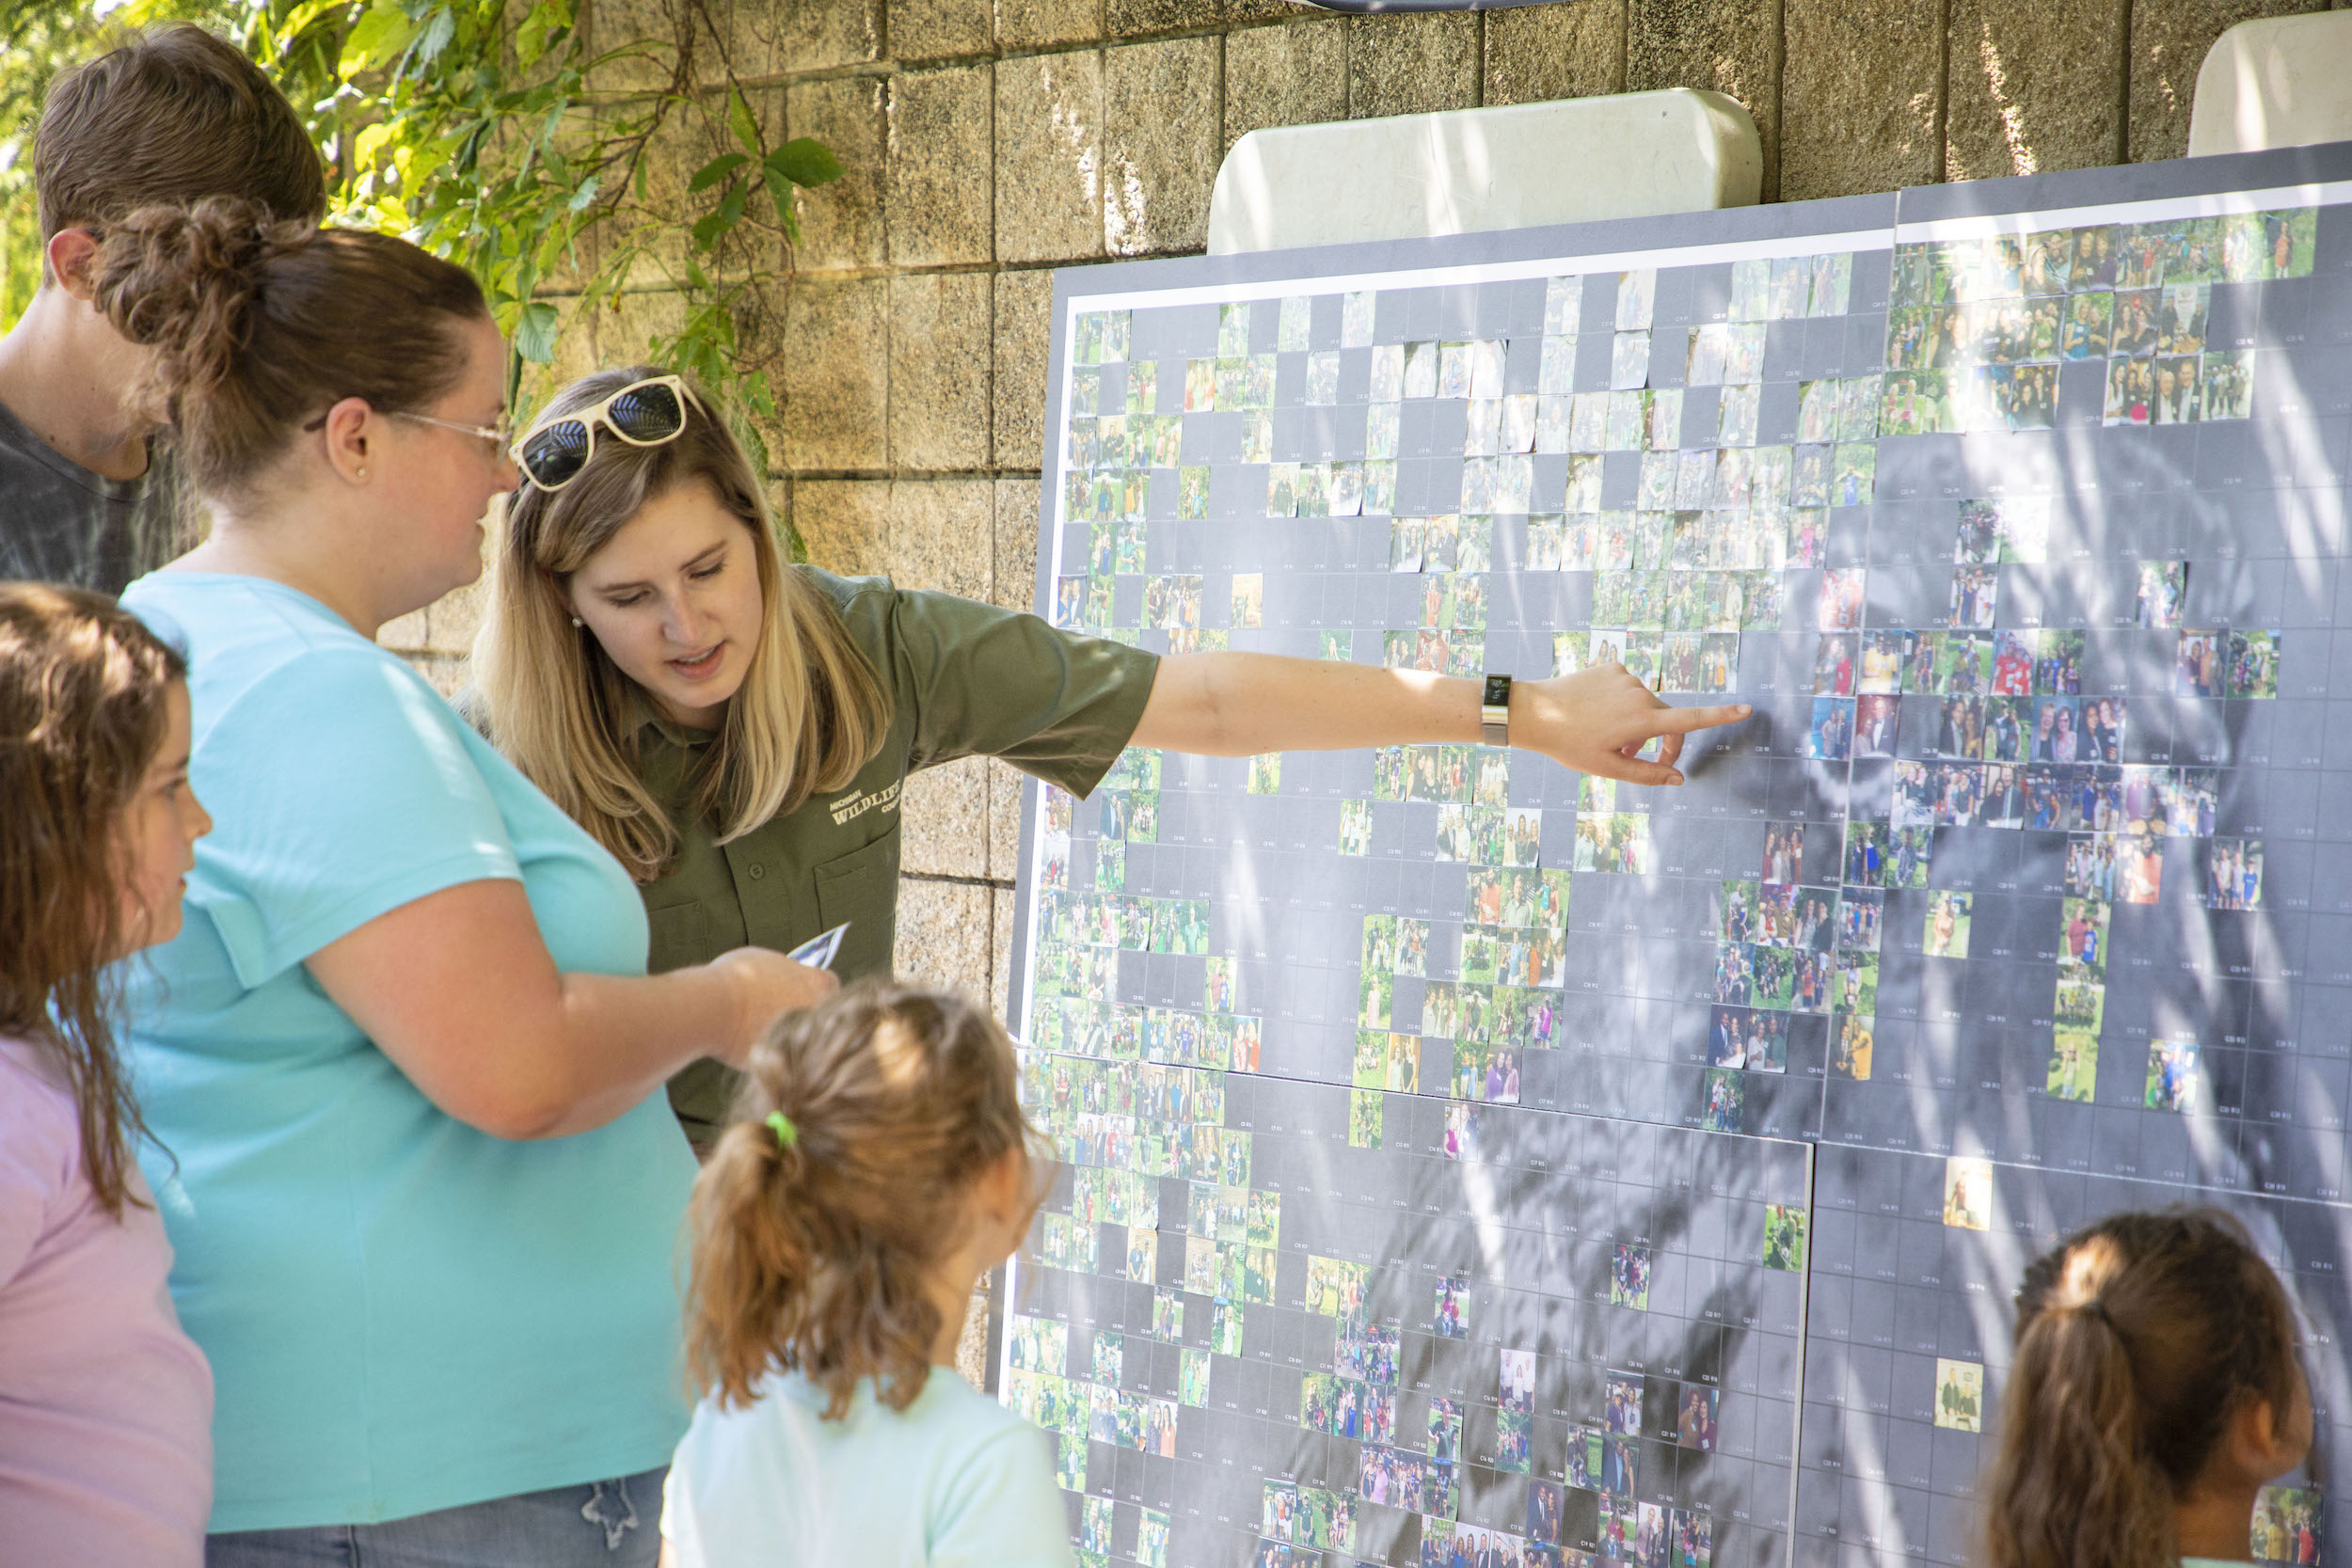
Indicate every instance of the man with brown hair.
{"type": "Point", "coordinates": [173, 116]}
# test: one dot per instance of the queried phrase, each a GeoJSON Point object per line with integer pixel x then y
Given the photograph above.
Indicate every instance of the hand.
{"type": "Point", "coordinates": [764, 985]}
{"type": "Point", "coordinates": [1597, 720]}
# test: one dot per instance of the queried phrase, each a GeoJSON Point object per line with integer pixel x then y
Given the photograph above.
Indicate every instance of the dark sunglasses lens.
{"type": "Point", "coordinates": [554, 454]}
{"type": "Point", "coordinates": [648, 414]}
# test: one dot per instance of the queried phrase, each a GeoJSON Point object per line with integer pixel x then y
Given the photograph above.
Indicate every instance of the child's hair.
{"type": "Point", "coordinates": [2138, 1339]}
{"type": "Point", "coordinates": [814, 1250]}
{"type": "Point", "coordinates": [84, 704]}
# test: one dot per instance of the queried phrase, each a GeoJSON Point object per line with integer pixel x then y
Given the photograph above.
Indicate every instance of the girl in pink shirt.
{"type": "Point", "coordinates": [106, 1406]}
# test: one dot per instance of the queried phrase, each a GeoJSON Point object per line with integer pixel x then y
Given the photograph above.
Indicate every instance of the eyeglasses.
{"type": "Point", "coordinates": [496, 435]}
{"type": "Point", "coordinates": [642, 414]}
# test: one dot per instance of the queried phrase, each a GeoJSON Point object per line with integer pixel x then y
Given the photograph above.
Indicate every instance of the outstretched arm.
{"type": "Point", "coordinates": [1236, 705]}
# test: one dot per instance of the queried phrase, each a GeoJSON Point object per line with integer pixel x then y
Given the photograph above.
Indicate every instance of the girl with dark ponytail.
{"type": "Point", "coordinates": [2153, 1392]}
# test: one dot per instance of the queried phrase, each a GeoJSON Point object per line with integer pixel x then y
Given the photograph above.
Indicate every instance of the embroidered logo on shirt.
{"type": "Point", "coordinates": [847, 809]}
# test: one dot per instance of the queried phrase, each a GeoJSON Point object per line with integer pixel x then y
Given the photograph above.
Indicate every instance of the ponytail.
{"type": "Point", "coordinates": [2138, 1340]}
{"type": "Point", "coordinates": [813, 1248]}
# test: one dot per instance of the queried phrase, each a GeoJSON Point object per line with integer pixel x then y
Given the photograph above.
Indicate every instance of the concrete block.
{"type": "Point", "coordinates": [2033, 87]}
{"type": "Point", "coordinates": [841, 224]}
{"type": "Point", "coordinates": [2281, 82]}
{"type": "Point", "coordinates": [945, 813]}
{"type": "Point", "coordinates": [844, 524]}
{"type": "Point", "coordinates": [936, 29]}
{"type": "Point", "coordinates": [943, 934]}
{"type": "Point", "coordinates": [1049, 157]}
{"type": "Point", "coordinates": [770, 38]}
{"type": "Point", "coordinates": [2170, 40]}
{"type": "Point", "coordinates": [1159, 145]}
{"type": "Point", "coordinates": [1024, 322]}
{"type": "Point", "coordinates": [1859, 95]}
{"type": "Point", "coordinates": [614, 26]}
{"type": "Point", "coordinates": [1476, 169]}
{"type": "Point", "coordinates": [837, 385]}
{"type": "Point", "coordinates": [1293, 75]}
{"type": "Point", "coordinates": [939, 369]}
{"type": "Point", "coordinates": [1032, 24]}
{"type": "Point", "coordinates": [938, 208]}
{"type": "Point", "coordinates": [1727, 46]}
{"type": "Point", "coordinates": [1125, 19]}
{"type": "Point", "coordinates": [1003, 820]}
{"type": "Point", "coordinates": [1535, 53]}
{"type": "Point", "coordinates": [1411, 63]}
{"type": "Point", "coordinates": [1017, 505]}
{"type": "Point", "coordinates": [942, 535]}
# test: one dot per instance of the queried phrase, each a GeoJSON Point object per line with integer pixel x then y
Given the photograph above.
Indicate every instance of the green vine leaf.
{"type": "Point", "coordinates": [805, 161]}
{"type": "Point", "coordinates": [536, 330]}
{"type": "Point", "coordinates": [716, 170]}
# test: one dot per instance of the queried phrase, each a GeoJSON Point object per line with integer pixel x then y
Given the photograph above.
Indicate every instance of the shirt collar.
{"type": "Point", "coordinates": [639, 714]}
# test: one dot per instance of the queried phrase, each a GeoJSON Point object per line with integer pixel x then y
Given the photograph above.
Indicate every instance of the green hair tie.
{"type": "Point", "coordinates": [787, 1135]}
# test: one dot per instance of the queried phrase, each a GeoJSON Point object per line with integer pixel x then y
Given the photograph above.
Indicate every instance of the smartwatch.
{"type": "Point", "coordinates": [1494, 711]}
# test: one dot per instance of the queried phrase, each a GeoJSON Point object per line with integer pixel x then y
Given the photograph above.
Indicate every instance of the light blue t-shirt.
{"type": "Point", "coordinates": [403, 1313]}
{"type": "Point", "coordinates": [954, 1481]}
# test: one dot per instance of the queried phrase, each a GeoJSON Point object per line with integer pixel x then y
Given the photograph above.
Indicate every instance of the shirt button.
{"type": "Point", "coordinates": [758, 871]}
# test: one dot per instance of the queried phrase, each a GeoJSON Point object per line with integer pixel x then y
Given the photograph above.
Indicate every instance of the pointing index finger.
{"type": "Point", "coordinates": [1681, 721]}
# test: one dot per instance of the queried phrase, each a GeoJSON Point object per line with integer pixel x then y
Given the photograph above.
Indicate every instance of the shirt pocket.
{"type": "Point", "coordinates": [680, 938]}
{"type": "Point", "coordinates": [860, 889]}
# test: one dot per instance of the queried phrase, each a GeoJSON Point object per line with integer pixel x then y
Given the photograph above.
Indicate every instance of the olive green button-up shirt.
{"type": "Point", "coordinates": [965, 679]}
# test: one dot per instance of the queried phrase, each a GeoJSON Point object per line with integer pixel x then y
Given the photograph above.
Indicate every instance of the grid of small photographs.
{"type": "Point", "coordinates": [1914, 1263]}
{"type": "Point", "coordinates": [2023, 855]}
{"type": "Point", "coordinates": [1979, 328]}
{"type": "Point", "coordinates": [1257, 1337]}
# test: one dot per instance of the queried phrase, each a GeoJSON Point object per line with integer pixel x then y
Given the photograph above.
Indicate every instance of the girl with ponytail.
{"type": "Point", "coordinates": [878, 1164]}
{"type": "Point", "coordinates": [2153, 1392]}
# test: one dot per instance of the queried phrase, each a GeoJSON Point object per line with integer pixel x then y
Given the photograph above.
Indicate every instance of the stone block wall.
{"type": "Point", "coordinates": [989, 141]}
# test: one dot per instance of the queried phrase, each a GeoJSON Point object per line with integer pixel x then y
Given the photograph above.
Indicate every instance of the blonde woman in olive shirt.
{"type": "Point", "coordinates": [738, 730]}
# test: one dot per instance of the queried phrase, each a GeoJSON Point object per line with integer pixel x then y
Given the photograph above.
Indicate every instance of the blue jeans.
{"type": "Point", "coordinates": [611, 1524]}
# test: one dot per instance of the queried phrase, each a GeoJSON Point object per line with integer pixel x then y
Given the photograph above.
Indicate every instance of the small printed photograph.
{"type": "Point", "coordinates": [1622, 1406]}
{"type": "Point", "coordinates": [1225, 1329]}
{"type": "Point", "coordinates": [1167, 1315]}
{"type": "Point", "coordinates": [2082, 937]}
{"type": "Point", "coordinates": [1636, 294]}
{"type": "Point", "coordinates": [2073, 1063]}
{"type": "Point", "coordinates": [1461, 1132]}
{"type": "Point", "coordinates": [1446, 1316]}
{"type": "Point", "coordinates": [1833, 666]}
{"type": "Point", "coordinates": [1885, 656]}
{"type": "Point", "coordinates": [1784, 1237]}
{"type": "Point", "coordinates": [1959, 1395]}
{"type": "Point", "coordinates": [2228, 384]}
{"type": "Point", "coordinates": [1858, 915]}
{"type": "Point", "coordinates": [1830, 737]}
{"type": "Point", "coordinates": [2138, 872]}
{"type": "Point", "coordinates": [1543, 1513]}
{"type": "Point", "coordinates": [2163, 588]}
{"type": "Point", "coordinates": [2057, 670]}
{"type": "Point", "coordinates": [1516, 1383]}
{"type": "Point", "coordinates": [1628, 1277]}
{"type": "Point", "coordinates": [1976, 591]}
{"type": "Point", "coordinates": [1783, 852]}
{"type": "Point", "coordinates": [1849, 1053]}
{"type": "Point", "coordinates": [1151, 1540]}
{"type": "Point", "coordinates": [2057, 731]}
{"type": "Point", "coordinates": [2175, 1076]}
{"type": "Point", "coordinates": [1407, 544]}
{"type": "Point", "coordinates": [1096, 1516]}
{"type": "Point", "coordinates": [1946, 935]}
{"type": "Point", "coordinates": [1968, 1194]}
{"type": "Point", "coordinates": [1841, 599]}
{"type": "Point", "coordinates": [1355, 826]}
{"type": "Point", "coordinates": [1723, 1100]}
{"type": "Point", "coordinates": [1249, 598]}
{"type": "Point", "coordinates": [2233, 874]}
{"type": "Point", "coordinates": [1192, 493]}
{"type": "Point", "coordinates": [1445, 1429]}
{"type": "Point", "coordinates": [2252, 665]}
{"type": "Point", "coordinates": [2287, 1523]}
{"type": "Point", "coordinates": [2175, 399]}
{"type": "Point", "coordinates": [2085, 331]}
{"type": "Point", "coordinates": [2131, 391]}
{"type": "Point", "coordinates": [1143, 1254]}
{"type": "Point", "coordinates": [1852, 481]}
{"type": "Point", "coordinates": [2081, 1004]}
{"type": "Point", "coordinates": [1364, 1118]}
{"type": "Point", "coordinates": [1695, 1417]}
{"type": "Point", "coordinates": [1818, 407]}
{"type": "Point", "coordinates": [1877, 725]}
{"type": "Point", "coordinates": [1266, 774]}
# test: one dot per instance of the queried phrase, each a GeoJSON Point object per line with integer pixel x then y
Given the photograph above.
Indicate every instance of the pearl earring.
{"type": "Point", "coordinates": [363, 473]}
{"type": "Point", "coordinates": [576, 620]}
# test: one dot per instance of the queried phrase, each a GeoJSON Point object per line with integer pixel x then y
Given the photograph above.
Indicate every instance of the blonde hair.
{"type": "Point", "coordinates": [815, 1252]}
{"type": "Point", "coordinates": [2139, 1339]}
{"type": "Point", "coordinates": [811, 709]}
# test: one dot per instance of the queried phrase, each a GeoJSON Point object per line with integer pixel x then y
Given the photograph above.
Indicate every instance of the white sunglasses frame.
{"type": "Point", "coordinates": [598, 414]}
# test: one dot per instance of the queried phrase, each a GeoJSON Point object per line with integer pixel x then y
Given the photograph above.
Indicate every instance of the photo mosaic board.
{"type": "Point", "coordinates": [1472, 1164]}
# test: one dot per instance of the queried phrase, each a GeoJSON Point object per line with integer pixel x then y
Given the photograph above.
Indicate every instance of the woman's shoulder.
{"type": "Point", "coordinates": [39, 1122]}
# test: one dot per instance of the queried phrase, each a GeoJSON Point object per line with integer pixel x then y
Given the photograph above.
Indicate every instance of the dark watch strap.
{"type": "Point", "coordinates": [1494, 711]}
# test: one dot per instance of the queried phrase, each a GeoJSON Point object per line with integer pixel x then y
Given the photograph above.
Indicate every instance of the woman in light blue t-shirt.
{"type": "Point", "coordinates": [406, 1061]}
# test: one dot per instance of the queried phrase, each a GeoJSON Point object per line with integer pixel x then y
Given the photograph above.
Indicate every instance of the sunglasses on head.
{"type": "Point", "coordinates": [644, 413]}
